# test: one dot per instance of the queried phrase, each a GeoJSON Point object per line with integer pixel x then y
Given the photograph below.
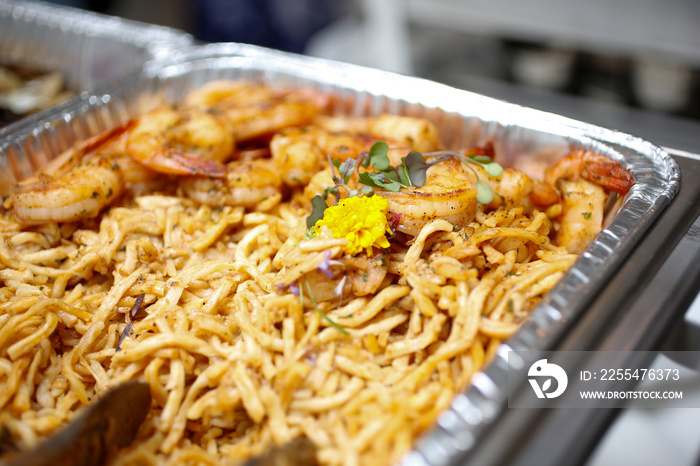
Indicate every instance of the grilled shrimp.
{"type": "Point", "coordinates": [582, 218]}
{"type": "Point", "coordinates": [224, 94]}
{"type": "Point", "coordinates": [185, 141]}
{"type": "Point", "coordinates": [593, 167]}
{"type": "Point", "coordinates": [581, 179]}
{"type": "Point", "coordinates": [254, 110]}
{"type": "Point", "coordinates": [297, 155]}
{"type": "Point", "coordinates": [79, 183]}
{"type": "Point", "coordinates": [318, 182]}
{"type": "Point", "coordinates": [246, 184]}
{"type": "Point", "coordinates": [301, 152]}
{"type": "Point", "coordinates": [416, 133]}
{"type": "Point", "coordinates": [512, 188]}
{"type": "Point", "coordinates": [397, 130]}
{"type": "Point", "coordinates": [266, 118]}
{"type": "Point", "coordinates": [448, 194]}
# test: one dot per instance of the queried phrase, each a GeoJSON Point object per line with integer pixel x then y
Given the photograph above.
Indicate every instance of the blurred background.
{"type": "Point", "coordinates": [632, 65]}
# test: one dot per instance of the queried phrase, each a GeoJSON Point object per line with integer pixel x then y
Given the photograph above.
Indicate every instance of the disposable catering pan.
{"type": "Point", "coordinates": [86, 48]}
{"type": "Point", "coordinates": [523, 137]}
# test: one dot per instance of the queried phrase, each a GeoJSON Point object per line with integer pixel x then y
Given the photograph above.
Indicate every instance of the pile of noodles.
{"type": "Point", "coordinates": [237, 364]}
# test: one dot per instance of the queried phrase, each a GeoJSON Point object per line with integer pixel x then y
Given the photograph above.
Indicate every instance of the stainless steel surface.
{"type": "Point", "coordinates": [464, 119]}
{"type": "Point", "coordinates": [643, 436]}
{"type": "Point", "coordinates": [87, 48]}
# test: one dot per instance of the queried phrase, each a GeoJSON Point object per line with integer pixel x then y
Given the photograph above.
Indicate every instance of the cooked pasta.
{"type": "Point", "coordinates": [252, 327]}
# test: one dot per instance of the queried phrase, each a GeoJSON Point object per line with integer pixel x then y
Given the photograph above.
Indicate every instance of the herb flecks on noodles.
{"type": "Point", "coordinates": [251, 326]}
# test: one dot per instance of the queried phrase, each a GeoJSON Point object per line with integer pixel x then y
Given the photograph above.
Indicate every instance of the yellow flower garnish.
{"type": "Point", "coordinates": [360, 220]}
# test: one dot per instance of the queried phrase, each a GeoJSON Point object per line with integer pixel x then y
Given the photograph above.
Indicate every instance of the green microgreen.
{"type": "Point", "coordinates": [367, 191]}
{"type": "Point", "coordinates": [484, 193]}
{"type": "Point", "coordinates": [379, 180]}
{"type": "Point", "coordinates": [415, 164]}
{"type": "Point", "coordinates": [378, 156]}
{"type": "Point", "coordinates": [482, 159]}
{"type": "Point", "coordinates": [491, 167]}
{"type": "Point", "coordinates": [319, 207]}
{"type": "Point", "coordinates": [346, 168]}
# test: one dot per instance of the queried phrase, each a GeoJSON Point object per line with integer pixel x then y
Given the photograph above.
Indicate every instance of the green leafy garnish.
{"type": "Point", "coordinates": [416, 168]}
{"type": "Point", "coordinates": [329, 190]}
{"type": "Point", "coordinates": [379, 180]}
{"type": "Point", "coordinates": [319, 207]}
{"type": "Point", "coordinates": [367, 191]}
{"type": "Point", "coordinates": [378, 156]}
{"type": "Point", "coordinates": [484, 194]}
{"type": "Point", "coordinates": [491, 167]}
{"type": "Point", "coordinates": [309, 234]}
{"type": "Point", "coordinates": [346, 168]}
{"type": "Point", "coordinates": [482, 159]}
{"type": "Point", "coordinates": [587, 215]}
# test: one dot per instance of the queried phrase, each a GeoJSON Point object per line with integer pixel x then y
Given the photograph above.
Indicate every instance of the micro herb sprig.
{"type": "Point", "coordinates": [315, 306]}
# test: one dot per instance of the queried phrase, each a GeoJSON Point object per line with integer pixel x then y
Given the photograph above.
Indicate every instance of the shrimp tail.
{"type": "Point", "coordinates": [543, 195]}
{"type": "Point", "coordinates": [181, 163]}
{"type": "Point", "coordinates": [97, 141]}
{"type": "Point", "coordinates": [592, 167]}
{"type": "Point", "coordinates": [608, 174]}
{"type": "Point", "coordinates": [67, 160]}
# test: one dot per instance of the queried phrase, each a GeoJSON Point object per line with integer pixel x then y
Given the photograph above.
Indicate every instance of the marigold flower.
{"type": "Point", "coordinates": [360, 220]}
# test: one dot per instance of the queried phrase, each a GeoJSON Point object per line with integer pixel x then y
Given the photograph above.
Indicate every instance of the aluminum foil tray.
{"type": "Point", "coordinates": [87, 48]}
{"type": "Point", "coordinates": [523, 136]}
